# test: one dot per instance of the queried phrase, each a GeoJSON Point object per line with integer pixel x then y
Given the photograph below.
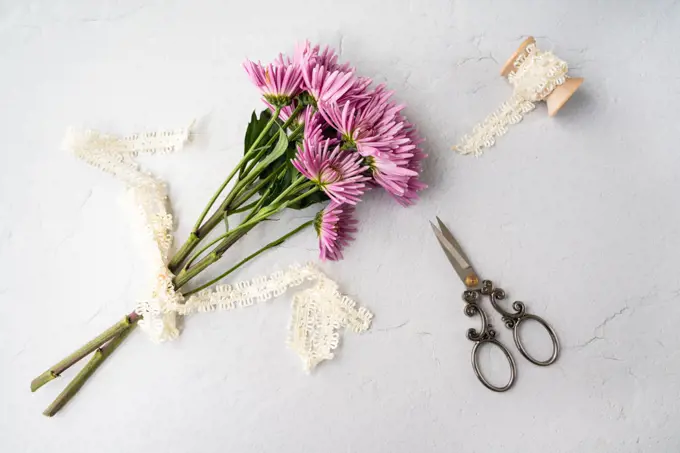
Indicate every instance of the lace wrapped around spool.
{"type": "Point", "coordinates": [320, 312]}
{"type": "Point", "coordinates": [535, 76]}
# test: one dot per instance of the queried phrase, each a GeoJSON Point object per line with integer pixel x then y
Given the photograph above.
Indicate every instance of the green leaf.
{"type": "Point", "coordinates": [263, 168]}
{"type": "Point", "coordinates": [281, 154]}
{"type": "Point", "coordinates": [276, 188]}
{"type": "Point", "coordinates": [278, 151]}
{"type": "Point", "coordinates": [255, 127]}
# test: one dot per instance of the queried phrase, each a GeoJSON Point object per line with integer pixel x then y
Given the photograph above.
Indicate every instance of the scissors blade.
{"type": "Point", "coordinates": [451, 240]}
{"type": "Point", "coordinates": [455, 254]}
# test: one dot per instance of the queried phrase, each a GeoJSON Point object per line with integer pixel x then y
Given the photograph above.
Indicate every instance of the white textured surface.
{"type": "Point", "coordinates": [577, 216]}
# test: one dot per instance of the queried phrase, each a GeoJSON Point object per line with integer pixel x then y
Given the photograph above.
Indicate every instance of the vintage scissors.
{"type": "Point", "coordinates": [473, 296]}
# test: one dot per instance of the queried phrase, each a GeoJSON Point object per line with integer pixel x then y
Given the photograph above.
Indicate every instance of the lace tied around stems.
{"type": "Point", "coordinates": [536, 74]}
{"type": "Point", "coordinates": [150, 196]}
{"type": "Point", "coordinates": [319, 312]}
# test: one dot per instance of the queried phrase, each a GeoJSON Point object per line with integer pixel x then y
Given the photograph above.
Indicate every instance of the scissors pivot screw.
{"type": "Point", "coordinates": [471, 281]}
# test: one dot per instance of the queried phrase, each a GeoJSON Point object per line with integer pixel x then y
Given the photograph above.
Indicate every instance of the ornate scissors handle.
{"type": "Point", "coordinates": [485, 335]}
{"type": "Point", "coordinates": [514, 319]}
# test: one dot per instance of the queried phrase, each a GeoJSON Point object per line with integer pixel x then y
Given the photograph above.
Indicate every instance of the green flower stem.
{"type": "Point", "coordinates": [97, 359]}
{"type": "Point", "coordinates": [256, 209]}
{"type": "Point", "coordinates": [284, 126]}
{"type": "Point", "coordinates": [296, 185]}
{"type": "Point", "coordinates": [304, 195]}
{"type": "Point", "coordinates": [184, 276]}
{"type": "Point", "coordinates": [272, 244]}
{"type": "Point", "coordinates": [296, 132]}
{"type": "Point", "coordinates": [197, 254]}
{"type": "Point", "coordinates": [227, 239]}
{"type": "Point", "coordinates": [212, 221]}
{"type": "Point", "coordinates": [236, 169]}
{"type": "Point", "coordinates": [90, 346]}
{"type": "Point", "coordinates": [198, 233]}
{"type": "Point", "coordinates": [184, 251]}
{"type": "Point", "coordinates": [292, 137]}
{"type": "Point", "coordinates": [249, 224]}
{"type": "Point", "coordinates": [243, 169]}
{"type": "Point", "coordinates": [245, 208]}
{"type": "Point", "coordinates": [248, 195]}
{"type": "Point", "coordinates": [243, 184]}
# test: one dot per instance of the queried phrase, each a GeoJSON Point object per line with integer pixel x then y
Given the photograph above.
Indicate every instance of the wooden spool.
{"type": "Point", "coordinates": [560, 95]}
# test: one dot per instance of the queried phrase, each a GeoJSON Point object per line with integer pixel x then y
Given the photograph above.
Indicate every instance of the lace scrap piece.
{"type": "Point", "coordinates": [319, 312]}
{"type": "Point", "coordinates": [536, 75]}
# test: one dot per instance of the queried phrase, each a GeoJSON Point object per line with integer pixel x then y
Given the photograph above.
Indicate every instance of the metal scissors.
{"type": "Point", "coordinates": [473, 296]}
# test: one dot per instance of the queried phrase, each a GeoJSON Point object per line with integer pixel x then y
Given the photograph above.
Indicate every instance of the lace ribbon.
{"type": "Point", "coordinates": [319, 312]}
{"type": "Point", "coordinates": [536, 74]}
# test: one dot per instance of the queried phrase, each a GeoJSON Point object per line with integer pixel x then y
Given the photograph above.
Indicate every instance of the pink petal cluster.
{"type": "Point", "coordinates": [278, 82]}
{"type": "Point", "coordinates": [338, 173]}
{"type": "Point", "coordinates": [355, 136]}
{"type": "Point", "coordinates": [335, 226]}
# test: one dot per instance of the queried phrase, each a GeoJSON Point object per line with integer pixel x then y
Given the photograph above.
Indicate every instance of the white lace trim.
{"type": "Point", "coordinates": [319, 312]}
{"type": "Point", "coordinates": [536, 74]}
{"type": "Point", "coordinates": [116, 156]}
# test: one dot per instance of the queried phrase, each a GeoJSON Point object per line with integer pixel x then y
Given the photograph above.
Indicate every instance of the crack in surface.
{"type": "Point", "coordinates": [476, 89]}
{"type": "Point", "coordinates": [601, 326]}
{"type": "Point", "coordinates": [386, 329]}
{"type": "Point", "coordinates": [466, 60]}
{"type": "Point", "coordinates": [609, 319]}
{"type": "Point", "coordinates": [588, 342]}
{"type": "Point", "coordinates": [99, 310]}
{"type": "Point", "coordinates": [607, 357]}
{"type": "Point", "coordinates": [87, 198]}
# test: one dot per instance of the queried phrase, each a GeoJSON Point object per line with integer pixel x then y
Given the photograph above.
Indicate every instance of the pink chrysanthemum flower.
{"type": "Point", "coordinates": [374, 126]}
{"type": "Point", "coordinates": [306, 54]}
{"type": "Point", "coordinates": [314, 126]}
{"type": "Point", "coordinates": [410, 195]}
{"type": "Point", "coordinates": [338, 173]}
{"type": "Point", "coordinates": [279, 83]}
{"type": "Point", "coordinates": [309, 57]}
{"type": "Point", "coordinates": [397, 169]}
{"type": "Point", "coordinates": [391, 173]}
{"type": "Point", "coordinates": [335, 227]}
{"type": "Point", "coordinates": [325, 85]}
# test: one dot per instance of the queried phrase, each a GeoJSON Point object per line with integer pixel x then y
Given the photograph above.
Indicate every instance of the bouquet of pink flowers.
{"type": "Point", "coordinates": [327, 136]}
